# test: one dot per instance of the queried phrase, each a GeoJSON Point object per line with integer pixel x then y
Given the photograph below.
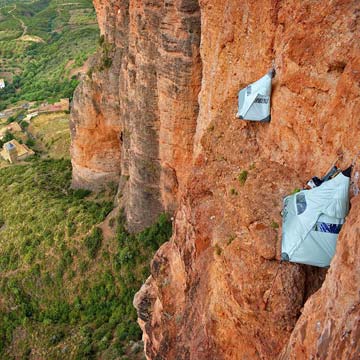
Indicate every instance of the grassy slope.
{"type": "Point", "coordinates": [41, 70]}
{"type": "Point", "coordinates": [64, 292]}
{"type": "Point", "coordinates": [52, 134]}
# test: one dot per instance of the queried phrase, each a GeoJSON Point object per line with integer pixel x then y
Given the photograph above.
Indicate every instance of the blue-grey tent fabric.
{"type": "Point", "coordinates": [254, 100]}
{"type": "Point", "coordinates": [312, 220]}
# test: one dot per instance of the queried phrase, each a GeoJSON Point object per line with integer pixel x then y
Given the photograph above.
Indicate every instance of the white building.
{"type": "Point", "coordinates": [2, 83]}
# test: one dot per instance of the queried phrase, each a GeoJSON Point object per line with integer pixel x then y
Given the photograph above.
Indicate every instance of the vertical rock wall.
{"type": "Point", "coordinates": [213, 293]}
{"type": "Point", "coordinates": [143, 108]}
{"type": "Point", "coordinates": [216, 290]}
{"type": "Point", "coordinates": [95, 117]}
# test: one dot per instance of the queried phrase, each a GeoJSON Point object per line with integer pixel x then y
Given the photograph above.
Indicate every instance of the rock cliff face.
{"type": "Point", "coordinates": [163, 117]}
{"type": "Point", "coordinates": [136, 115]}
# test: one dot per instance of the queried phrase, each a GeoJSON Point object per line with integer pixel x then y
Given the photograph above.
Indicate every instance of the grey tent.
{"type": "Point", "coordinates": [254, 100]}
{"type": "Point", "coordinates": [312, 220]}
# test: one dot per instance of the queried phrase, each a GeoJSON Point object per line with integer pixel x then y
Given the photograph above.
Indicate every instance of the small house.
{"type": "Point", "coordinates": [13, 151]}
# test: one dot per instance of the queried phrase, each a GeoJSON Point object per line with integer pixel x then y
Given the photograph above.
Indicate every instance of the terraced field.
{"type": "Point", "coordinates": [42, 44]}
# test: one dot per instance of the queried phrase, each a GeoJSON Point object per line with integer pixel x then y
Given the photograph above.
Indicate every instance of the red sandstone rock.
{"type": "Point", "coordinates": [229, 312]}
{"type": "Point", "coordinates": [95, 129]}
{"type": "Point", "coordinates": [141, 109]}
{"type": "Point", "coordinates": [213, 292]}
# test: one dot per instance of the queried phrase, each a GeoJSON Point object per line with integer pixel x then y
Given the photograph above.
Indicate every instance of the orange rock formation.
{"type": "Point", "coordinates": [163, 116]}
{"type": "Point", "coordinates": [138, 116]}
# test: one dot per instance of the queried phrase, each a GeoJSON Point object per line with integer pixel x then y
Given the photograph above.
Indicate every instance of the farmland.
{"type": "Point", "coordinates": [42, 44]}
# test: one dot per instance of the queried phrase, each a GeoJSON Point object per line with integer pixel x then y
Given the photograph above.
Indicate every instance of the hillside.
{"type": "Point", "coordinates": [51, 134]}
{"type": "Point", "coordinates": [66, 291]}
{"type": "Point", "coordinates": [68, 268]}
{"type": "Point", "coordinates": [43, 46]}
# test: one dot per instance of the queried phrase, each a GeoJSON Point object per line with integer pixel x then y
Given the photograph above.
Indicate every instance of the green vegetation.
{"type": "Point", "coordinates": [218, 250]}
{"type": "Point", "coordinates": [62, 286]}
{"type": "Point", "coordinates": [60, 36]}
{"type": "Point", "coordinates": [93, 242]}
{"type": "Point", "coordinates": [51, 133]}
{"type": "Point", "coordinates": [7, 137]}
{"type": "Point", "coordinates": [242, 177]}
{"type": "Point", "coordinates": [231, 239]}
{"type": "Point", "coordinates": [106, 51]}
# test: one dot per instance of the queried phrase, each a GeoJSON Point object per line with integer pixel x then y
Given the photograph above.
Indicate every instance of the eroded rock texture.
{"type": "Point", "coordinates": [137, 115]}
{"type": "Point", "coordinates": [213, 293]}
{"type": "Point", "coordinates": [209, 296]}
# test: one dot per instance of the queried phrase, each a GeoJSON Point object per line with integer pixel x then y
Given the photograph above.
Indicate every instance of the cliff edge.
{"type": "Point", "coordinates": [158, 112]}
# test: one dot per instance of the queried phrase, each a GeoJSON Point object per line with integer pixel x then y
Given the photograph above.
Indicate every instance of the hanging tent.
{"type": "Point", "coordinates": [254, 100]}
{"type": "Point", "coordinates": [312, 220]}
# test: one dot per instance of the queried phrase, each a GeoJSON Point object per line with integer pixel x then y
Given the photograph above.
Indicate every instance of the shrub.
{"type": "Point", "coordinates": [56, 338]}
{"type": "Point", "coordinates": [107, 62]}
{"type": "Point", "coordinates": [24, 125]}
{"type": "Point", "coordinates": [90, 72]}
{"type": "Point", "coordinates": [101, 40]}
{"type": "Point", "coordinates": [93, 242]}
{"type": "Point", "coordinates": [71, 228]}
{"type": "Point", "coordinates": [7, 137]}
{"type": "Point", "coordinates": [218, 250]}
{"type": "Point", "coordinates": [242, 177]}
{"type": "Point", "coordinates": [30, 142]}
{"type": "Point", "coordinates": [81, 193]}
{"type": "Point", "coordinates": [57, 312]}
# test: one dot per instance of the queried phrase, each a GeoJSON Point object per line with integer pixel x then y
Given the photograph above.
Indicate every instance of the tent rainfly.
{"type": "Point", "coordinates": [312, 220]}
{"type": "Point", "coordinates": [254, 100]}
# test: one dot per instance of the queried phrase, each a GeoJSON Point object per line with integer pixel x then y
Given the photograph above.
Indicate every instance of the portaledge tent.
{"type": "Point", "coordinates": [312, 220]}
{"type": "Point", "coordinates": [254, 100]}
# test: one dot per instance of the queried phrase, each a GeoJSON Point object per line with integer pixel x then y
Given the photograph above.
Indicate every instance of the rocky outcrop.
{"type": "Point", "coordinates": [150, 91]}
{"type": "Point", "coordinates": [95, 123]}
{"type": "Point", "coordinates": [216, 289]}
{"type": "Point", "coordinates": [95, 129]}
{"type": "Point", "coordinates": [214, 293]}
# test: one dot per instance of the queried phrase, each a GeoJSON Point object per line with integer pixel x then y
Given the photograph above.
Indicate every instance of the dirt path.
{"type": "Point", "coordinates": [24, 27]}
{"type": "Point", "coordinates": [108, 230]}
